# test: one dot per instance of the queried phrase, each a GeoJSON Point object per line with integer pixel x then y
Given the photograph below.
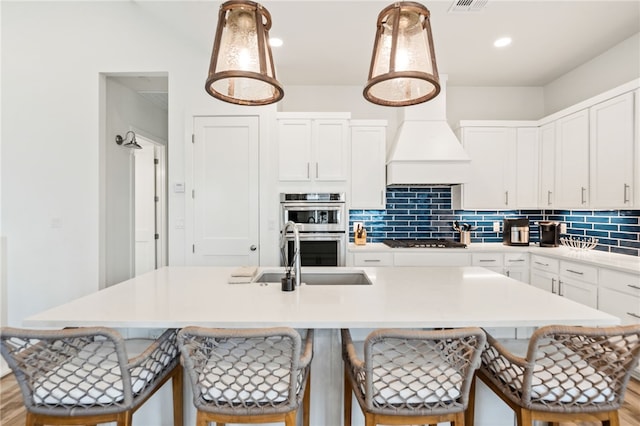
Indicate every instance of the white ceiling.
{"type": "Point", "coordinates": [330, 42]}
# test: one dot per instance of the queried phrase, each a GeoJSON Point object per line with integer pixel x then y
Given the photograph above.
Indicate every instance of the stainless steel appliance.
{"type": "Point", "coordinates": [549, 234]}
{"type": "Point", "coordinates": [322, 224]}
{"type": "Point", "coordinates": [425, 243]}
{"type": "Point", "coordinates": [515, 232]}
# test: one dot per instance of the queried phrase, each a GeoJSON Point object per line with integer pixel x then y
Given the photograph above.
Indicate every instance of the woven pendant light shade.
{"type": "Point", "coordinates": [242, 70]}
{"type": "Point", "coordinates": [403, 66]}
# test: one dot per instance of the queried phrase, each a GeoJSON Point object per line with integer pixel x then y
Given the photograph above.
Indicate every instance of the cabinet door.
{"type": "Point", "coordinates": [330, 149]}
{"type": "Point", "coordinates": [547, 165]}
{"type": "Point", "coordinates": [490, 150]}
{"type": "Point", "coordinates": [572, 160]}
{"type": "Point", "coordinates": [544, 280]}
{"type": "Point", "coordinates": [368, 185]}
{"type": "Point", "coordinates": [611, 144]}
{"type": "Point", "coordinates": [294, 150]}
{"type": "Point", "coordinates": [579, 291]}
{"type": "Point", "coordinates": [526, 190]}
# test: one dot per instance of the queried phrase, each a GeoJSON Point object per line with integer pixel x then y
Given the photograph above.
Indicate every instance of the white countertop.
{"type": "Point", "coordinates": [621, 262]}
{"type": "Point", "coordinates": [400, 297]}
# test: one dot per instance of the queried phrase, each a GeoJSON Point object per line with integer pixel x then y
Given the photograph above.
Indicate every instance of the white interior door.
{"type": "Point", "coordinates": [225, 196]}
{"type": "Point", "coordinates": [145, 207]}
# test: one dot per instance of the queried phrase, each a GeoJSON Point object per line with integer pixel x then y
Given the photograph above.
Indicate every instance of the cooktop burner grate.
{"type": "Point", "coordinates": [426, 243]}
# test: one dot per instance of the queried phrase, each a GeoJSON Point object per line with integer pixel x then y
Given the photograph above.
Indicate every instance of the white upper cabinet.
{"type": "Point", "coordinates": [527, 149]}
{"type": "Point", "coordinates": [612, 152]}
{"type": "Point", "coordinates": [504, 168]}
{"type": "Point", "coordinates": [491, 185]}
{"type": "Point", "coordinates": [368, 150]}
{"type": "Point", "coordinates": [572, 161]}
{"type": "Point", "coordinates": [547, 165]}
{"type": "Point", "coordinates": [313, 148]}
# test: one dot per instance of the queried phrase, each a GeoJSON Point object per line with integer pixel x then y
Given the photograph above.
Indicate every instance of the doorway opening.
{"type": "Point", "coordinates": [133, 182]}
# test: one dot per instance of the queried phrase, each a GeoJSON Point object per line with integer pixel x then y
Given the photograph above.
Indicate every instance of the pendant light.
{"type": "Point", "coordinates": [241, 69]}
{"type": "Point", "coordinates": [403, 66]}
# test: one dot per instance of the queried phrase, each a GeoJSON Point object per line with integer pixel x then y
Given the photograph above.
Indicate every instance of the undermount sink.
{"type": "Point", "coordinates": [320, 278]}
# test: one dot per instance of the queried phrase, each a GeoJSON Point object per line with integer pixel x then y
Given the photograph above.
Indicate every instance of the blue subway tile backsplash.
{"type": "Point", "coordinates": [426, 212]}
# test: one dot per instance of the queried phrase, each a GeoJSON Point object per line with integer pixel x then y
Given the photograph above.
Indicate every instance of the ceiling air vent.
{"type": "Point", "coordinates": [459, 6]}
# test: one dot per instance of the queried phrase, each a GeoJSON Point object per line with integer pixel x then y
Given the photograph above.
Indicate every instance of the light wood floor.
{"type": "Point", "coordinates": [12, 412]}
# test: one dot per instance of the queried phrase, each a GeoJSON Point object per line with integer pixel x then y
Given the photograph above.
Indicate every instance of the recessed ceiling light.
{"type": "Point", "coordinates": [502, 42]}
{"type": "Point", "coordinates": [275, 41]}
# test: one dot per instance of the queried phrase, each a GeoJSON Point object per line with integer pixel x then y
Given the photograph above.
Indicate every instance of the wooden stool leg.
{"type": "Point", "coordinates": [524, 417]}
{"type": "Point", "coordinates": [178, 403]}
{"type": "Point", "coordinates": [614, 420]}
{"type": "Point", "coordinates": [306, 401]}
{"type": "Point", "coordinates": [347, 399]}
{"type": "Point", "coordinates": [469, 415]}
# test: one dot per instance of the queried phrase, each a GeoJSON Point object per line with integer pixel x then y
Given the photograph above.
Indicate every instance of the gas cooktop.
{"type": "Point", "coordinates": [427, 243]}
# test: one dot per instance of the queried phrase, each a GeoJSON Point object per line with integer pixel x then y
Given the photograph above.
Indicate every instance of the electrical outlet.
{"type": "Point", "coordinates": [496, 226]}
{"type": "Point", "coordinates": [563, 228]}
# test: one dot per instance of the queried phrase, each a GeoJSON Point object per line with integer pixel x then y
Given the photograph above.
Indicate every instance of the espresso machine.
{"type": "Point", "coordinates": [515, 232]}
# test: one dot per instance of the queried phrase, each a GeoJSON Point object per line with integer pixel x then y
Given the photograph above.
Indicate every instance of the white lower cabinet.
{"type": "Point", "coordinates": [516, 266]}
{"type": "Point", "coordinates": [544, 273]}
{"type": "Point", "coordinates": [579, 283]}
{"type": "Point", "coordinates": [619, 295]}
{"type": "Point", "coordinates": [513, 265]}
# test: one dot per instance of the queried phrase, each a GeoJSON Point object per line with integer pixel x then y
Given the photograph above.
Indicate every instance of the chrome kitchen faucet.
{"type": "Point", "coordinates": [296, 247]}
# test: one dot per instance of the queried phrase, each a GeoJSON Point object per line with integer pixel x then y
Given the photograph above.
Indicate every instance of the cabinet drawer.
{"type": "Point", "coordinates": [579, 271]}
{"type": "Point", "coordinates": [620, 281]}
{"type": "Point", "coordinates": [625, 307]}
{"type": "Point", "coordinates": [373, 259]}
{"type": "Point", "coordinates": [488, 260]}
{"type": "Point", "coordinates": [545, 263]}
{"type": "Point", "coordinates": [431, 259]}
{"type": "Point", "coordinates": [516, 259]}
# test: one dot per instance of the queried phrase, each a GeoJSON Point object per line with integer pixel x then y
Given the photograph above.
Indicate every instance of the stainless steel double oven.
{"type": "Point", "coordinates": [322, 224]}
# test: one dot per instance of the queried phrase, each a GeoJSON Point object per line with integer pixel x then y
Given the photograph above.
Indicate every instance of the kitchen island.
{"type": "Point", "coordinates": [402, 297]}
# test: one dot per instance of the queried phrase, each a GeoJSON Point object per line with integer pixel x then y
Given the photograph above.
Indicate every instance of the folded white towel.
{"type": "Point", "coordinates": [245, 271]}
{"type": "Point", "coordinates": [240, 280]}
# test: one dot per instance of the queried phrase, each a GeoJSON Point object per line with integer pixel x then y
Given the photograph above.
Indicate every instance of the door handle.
{"type": "Point", "coordinates": [253, 247]}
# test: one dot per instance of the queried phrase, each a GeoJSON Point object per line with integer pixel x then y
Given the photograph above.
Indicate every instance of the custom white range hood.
{"type": "Point", "coordinates": [425, 150]}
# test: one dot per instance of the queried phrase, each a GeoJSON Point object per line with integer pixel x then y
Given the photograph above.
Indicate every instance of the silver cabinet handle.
{"type": "Point", "coordinates": [626, 198]}
{"type": "Point", "coordinates": [372, 260]}
{"type": "Point", "coordinates": [583, 191]}
{"type": "Point", "coordinates": [487, 260]}
{"type": "Point", "coordinates": [541, 264]}
{"type": "Point", "coordinates": [522, 260]}
{"type": "Point", "coordinates": [633, 315]}
{"type": "Point", "coordinates": [308, 170]}
{"type": "Point", "coordinates": [560, 288]}
{"type": "Point", "coordinates": [633, 286]}
{"type": "Point", "coordinates": [506, 198]}
{"type": "Point", "coordinates": [316, 170]}
{"type": "Point", "coordinates": [508, 273]}
{"type": "Point", "coordinates": [574, 272]}
{"type": "Point", "coordinates": [253, 247]}
{"type": "Point", "coordinates": [553, 285]}
{"type": "Point", "coordinates": [381, 197]}
{"type": "Point", "coordinates": [548, 198]}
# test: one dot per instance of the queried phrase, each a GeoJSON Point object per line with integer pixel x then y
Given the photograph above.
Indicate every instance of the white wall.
{"type": "Point", "coordinates": [125, 110]}
{"type": "Point", "coordinates": [616, 66]}
{"type": "Point", "coordinates": [53, 54]}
